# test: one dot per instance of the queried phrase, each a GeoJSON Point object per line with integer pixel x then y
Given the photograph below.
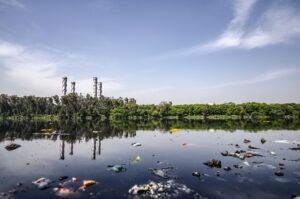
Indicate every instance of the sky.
{"type": "Point", "coordinates": [208, 51]}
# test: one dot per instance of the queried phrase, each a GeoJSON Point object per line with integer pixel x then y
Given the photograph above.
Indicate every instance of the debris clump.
{"type": "Point", "coordinates": [136, 144]}
{"type": "Point", "coordinates": [196, 174]}
{"type": "Point", "coordinates": [279, 173]}
{"type": "Point", "coordinates": [42, 183]}
{"type": "Point", "coordinates": [12, 146]}
{"type": "Point", "coordinates": [241, 154]}
{"type": "Point", "coordinates": [213, 163]}
{"type": "Point", "coordinates": [160, 173]}
{"type": "Point", "coordinates": [246, 141]}
{"type": "Point", "coordinates": [117, 168]}
{"type": "Point", "coordinates": [168, 189]}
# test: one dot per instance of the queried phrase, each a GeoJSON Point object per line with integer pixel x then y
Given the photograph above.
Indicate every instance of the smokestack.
{"type": "Point", "coordinates": [73, 87]}
{"type": "Point", "coordinates": [64, 85]}
{"type": "Point", "coordinates": [95, 86]}
{"type": "Point", "coordinates": [100, 89]}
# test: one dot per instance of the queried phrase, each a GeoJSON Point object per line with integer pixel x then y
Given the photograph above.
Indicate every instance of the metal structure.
{"type": "Point", "coordinates": [73, 87]}
{"type": "Point", "coordinates": [100, 89]}
{"type": "Point", "coordinates": [64, 85]}
{"type": "Point", "coordinates": [95, 86]}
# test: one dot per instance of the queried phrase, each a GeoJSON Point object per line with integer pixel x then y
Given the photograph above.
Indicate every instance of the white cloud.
{"type": "Point", "coordinates": [233, 35]}
{"type": "Point", "coordinates": [28, 71]}
{"type": "Point", "coordinates": [277, 74]}
{"type": "Point", "coordinates": [279, 23]}
{"type": "Point", "coordinates": [13, 3]}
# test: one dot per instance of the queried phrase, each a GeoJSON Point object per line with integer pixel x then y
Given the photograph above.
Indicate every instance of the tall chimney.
{"type": "Point", "coordinates": [95, 86]}
{"type": "Point", "coordinates": [100, 89]}
{"type": "Point", "coordinates": [73, 87]}
{"type": "Point", "coordinates": [64, 85]}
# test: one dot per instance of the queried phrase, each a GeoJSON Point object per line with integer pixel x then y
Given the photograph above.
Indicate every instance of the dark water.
{"type": "Point", "coordinates": [74, 150]}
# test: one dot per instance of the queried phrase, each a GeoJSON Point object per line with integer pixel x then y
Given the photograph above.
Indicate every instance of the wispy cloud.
{"type": "Point", "coordinates": [12, 3]}
{"type": "Point", "coordinates": [279, 23]}
{"type": "Point", "coordinates": [277, 74]}
{"type": "Point", "coordinates": [26, 71]}
{"type": "Point", "coordinates": [233, 35]}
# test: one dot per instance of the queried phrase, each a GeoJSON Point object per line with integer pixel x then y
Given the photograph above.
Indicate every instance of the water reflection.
{"type": "Point", "coordinates": [85, 150]}
{"type": "Point", "coordinates": [25, 130]}
{"type": "Point", "coordinates": [68, 133]}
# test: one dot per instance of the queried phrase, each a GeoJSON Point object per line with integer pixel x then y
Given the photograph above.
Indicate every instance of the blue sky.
{"type": "Point", "coordinates": [153, 50]}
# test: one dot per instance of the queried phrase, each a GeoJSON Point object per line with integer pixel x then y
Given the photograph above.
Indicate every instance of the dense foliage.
{"type": "Point", "coordinates": [66, 107]}
{"type": "Point", "coordinates": [205, 111]}
{"type": "Point", "coordinates": [87, 107]}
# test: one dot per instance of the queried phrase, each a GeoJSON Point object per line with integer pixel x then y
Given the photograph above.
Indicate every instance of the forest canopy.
{"type": "Point", "coordinates": [87, 107]}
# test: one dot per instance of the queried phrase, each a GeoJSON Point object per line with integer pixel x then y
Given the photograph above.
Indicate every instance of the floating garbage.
{"type": "Point", "coordinates": [168, 189]}
{"type": "Point", "coordinates": [241, 154]}
{"type": "Point", "coordinates": [117, 168]}
{"type": "Point", "coordinates": [137, 159]}
{"type": "Point", "coordinates": [252, 147]}
{"type": "Point", "coordinates": [173, 130]}
{"type": "Point", "coordinates": [64, 192]}
{"type": "Point", "coordinates": [213, 163]}
{"type": "Point", "coordinates": [196, 174]}
{"type": "Point", "coordinates": [237, 166]}
{"type": "Point", "coordinates": [160, 173]}
{"type": "Point", "coordinates": [72, 188]}
{"type": "Point", "coordinates": [88, 183]}
{"type": "Point", "coordinates": [279, 173]}
{"type": "Point", "coordinates": [136, 144]}
{"type": "Point", "coordinates": [295, 196]}
{"type": "Point", "coordinates": [227, 168]}
{"type": "Point", "coordinates": [273, 153]}
{"type": "Point", "coordinates": [246, 163]}
{"type": "Point", "coordinates": [263, 140]}
{"type": "Point", "coordinates": [246, 141]}
{"type": "Point", "coordinates": [42, 183]}
{"type": "Point", "coordinates": [12, 146]}
{"type": "Point", "coordinates": [224, 153]}
{"type": "Point", "coordinates": [295, 148]}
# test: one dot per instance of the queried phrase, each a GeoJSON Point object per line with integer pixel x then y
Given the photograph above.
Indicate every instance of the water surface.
{"type": "Point", "coordinates": [85, 150]}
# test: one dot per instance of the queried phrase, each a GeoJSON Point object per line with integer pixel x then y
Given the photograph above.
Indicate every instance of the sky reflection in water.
{"type": "Point", "coordinates": [85, 154]}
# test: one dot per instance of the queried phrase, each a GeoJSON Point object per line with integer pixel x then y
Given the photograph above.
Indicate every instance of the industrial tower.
{"type": "Point", "coordinates": [73, 87]}
{"type": "Point", "coordinates": [64, 85]}
{"type": "Point", "coordinates": [100, 89]}
{"type": "Point", "coordinates": [95, 86]}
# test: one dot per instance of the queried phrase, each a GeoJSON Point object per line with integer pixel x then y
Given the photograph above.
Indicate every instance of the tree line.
{"type": "Point", "coordinates": [88, 107]}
